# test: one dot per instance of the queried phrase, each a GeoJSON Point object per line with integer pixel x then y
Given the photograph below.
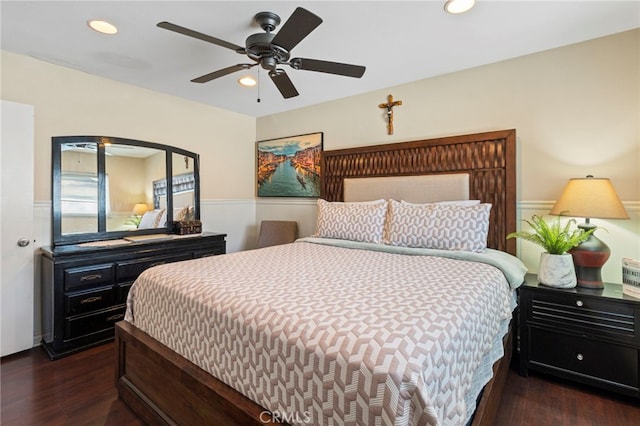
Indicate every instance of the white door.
{"type": "Point", "coordinates": [16, 228]}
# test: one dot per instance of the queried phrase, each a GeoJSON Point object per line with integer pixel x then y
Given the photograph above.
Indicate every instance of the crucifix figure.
{"type": "Point", "coordinates": [389, 106]}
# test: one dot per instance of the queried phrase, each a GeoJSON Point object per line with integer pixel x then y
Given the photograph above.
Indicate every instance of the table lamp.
{"type": "Point", "coordinates": [590, 197]}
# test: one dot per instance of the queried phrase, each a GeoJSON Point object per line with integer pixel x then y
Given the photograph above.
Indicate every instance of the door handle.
{"type": "Point", "coordinates": [23, 242]}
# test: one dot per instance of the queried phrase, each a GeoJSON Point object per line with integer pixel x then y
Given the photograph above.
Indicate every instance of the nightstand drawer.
{"type": "Point", "coordinates": [602, 361]}
{"type": "Point", "coordinates": [574, 313]}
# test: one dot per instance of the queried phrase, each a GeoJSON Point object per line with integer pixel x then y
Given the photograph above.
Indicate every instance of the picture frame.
{"type": "Point", "coordinates": [289, 166]}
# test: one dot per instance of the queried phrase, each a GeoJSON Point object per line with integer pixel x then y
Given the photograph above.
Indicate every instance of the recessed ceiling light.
{"type": "Point", "coordinates": [103, 27]}
{"type": "Point", "coordinates": [247, 81]}
{"type": "Point", "coordinates": [458, 6]}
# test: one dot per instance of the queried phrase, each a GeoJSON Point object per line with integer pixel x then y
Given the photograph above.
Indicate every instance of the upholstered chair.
{"type": "Point", "coordinates": [275, 232]}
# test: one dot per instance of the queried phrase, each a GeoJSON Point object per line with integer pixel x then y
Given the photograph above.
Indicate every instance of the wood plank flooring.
{"type": "Point", "coordinates": [79, 390]}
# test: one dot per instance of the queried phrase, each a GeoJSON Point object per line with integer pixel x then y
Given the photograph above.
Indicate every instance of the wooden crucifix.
{"type": "Point", "coordinates": [389, 106]}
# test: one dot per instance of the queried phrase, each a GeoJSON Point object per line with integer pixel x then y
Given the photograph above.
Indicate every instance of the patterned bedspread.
{"type": "Point", "coordinates": [331, 335]}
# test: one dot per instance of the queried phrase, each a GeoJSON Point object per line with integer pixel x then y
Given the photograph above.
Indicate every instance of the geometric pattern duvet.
{"type": "Point", "coordinates": [327, 335]}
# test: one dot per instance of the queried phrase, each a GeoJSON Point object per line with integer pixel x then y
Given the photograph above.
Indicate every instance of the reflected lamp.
{"type": "Point", "coordinates": [590, 197]}
{"type": "Point", "coordinates": [140, 209]}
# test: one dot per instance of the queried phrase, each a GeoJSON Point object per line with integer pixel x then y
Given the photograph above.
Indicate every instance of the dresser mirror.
{"type": "Point", "coordinates": [105, 188]}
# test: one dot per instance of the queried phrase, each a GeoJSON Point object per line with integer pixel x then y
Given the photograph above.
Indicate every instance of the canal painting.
{"type": "Point", "coordinates": [289, 167]}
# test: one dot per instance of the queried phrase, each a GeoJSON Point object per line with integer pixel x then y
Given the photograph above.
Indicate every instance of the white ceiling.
{"type": "Point", "coordinates": [398, 41]}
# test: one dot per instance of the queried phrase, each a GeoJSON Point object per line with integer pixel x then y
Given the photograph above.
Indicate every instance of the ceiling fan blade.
{"type": "Point", "coordinates": [222, 72]}
{"type": "Point", "coordinates": [298, 26]}
{"type": "Point", "coordinates": [195, 34]}
{"type": "Point", "coordinates": [347, 70]}
{"type": "Point", "coordinates": [283, 83]}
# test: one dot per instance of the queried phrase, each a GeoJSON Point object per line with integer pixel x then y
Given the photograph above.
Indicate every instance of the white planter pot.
{"type": "Point", "coordinates": [557, 270]}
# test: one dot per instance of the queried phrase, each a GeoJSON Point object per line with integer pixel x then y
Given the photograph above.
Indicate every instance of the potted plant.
{"type": "Point", "coordinates": [556, 265]}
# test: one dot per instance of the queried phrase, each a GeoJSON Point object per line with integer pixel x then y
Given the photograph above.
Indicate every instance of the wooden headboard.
{"type": "Point", "coordinates": [488, 158]}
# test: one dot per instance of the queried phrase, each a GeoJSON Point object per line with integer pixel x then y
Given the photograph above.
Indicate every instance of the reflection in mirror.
{"type": "Point", "coordinates": [79, 187]}
{"type": "Point", "coordinates": [130, 171]}
{"type": "Point", "coordinates": [107, 188]}
{"type": "Point", "coordinates": [183, 187]}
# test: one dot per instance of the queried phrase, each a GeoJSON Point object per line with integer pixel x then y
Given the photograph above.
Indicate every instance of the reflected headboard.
{"type": "Point", "coordinates": [487, 158]}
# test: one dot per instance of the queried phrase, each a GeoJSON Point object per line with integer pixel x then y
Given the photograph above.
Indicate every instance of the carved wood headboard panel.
{"type": "Point", "coordinates": [488, 158]}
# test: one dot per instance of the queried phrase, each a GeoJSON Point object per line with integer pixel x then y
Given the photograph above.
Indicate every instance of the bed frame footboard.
{"type": "Point", "coordinates": [163, 388]}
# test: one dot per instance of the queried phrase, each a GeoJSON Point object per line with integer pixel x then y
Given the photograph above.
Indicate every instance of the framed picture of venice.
{"type": "Point", "coordinates": [289, 167]}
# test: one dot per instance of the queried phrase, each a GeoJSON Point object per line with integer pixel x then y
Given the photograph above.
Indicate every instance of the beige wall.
{"type": "Point", "coordinates": [576, 111]}
{"type": "Point", "coordinates": [69, 102]}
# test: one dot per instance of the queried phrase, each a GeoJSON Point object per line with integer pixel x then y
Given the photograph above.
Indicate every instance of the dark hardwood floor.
{"type": "Point", "coordinates": [79, 390]}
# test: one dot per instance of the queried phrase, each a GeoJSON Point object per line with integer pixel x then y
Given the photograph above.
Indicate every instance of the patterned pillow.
{"type": "Point", "coordinates": [439, 226]}
{"type": "Point", "coordinates": [351, 221]}
{"type": "Point", "coordinates": [181, 214]}
{"type": "Point", "coordinates": [161, 217]}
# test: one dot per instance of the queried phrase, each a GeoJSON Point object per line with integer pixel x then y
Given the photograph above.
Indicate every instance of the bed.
{"type": "Point", "coordinates": [365, 337]}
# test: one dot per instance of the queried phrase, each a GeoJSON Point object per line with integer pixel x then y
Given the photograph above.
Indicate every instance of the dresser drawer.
{"type": "Point", "coordinates": [214, 252]}
{"type": "Point", "coordinates": [82, 325]}
{"type": "Point", "coordinates": [94, 275]}
{"type": "Point", "coordinates": [595, 359]}
{"type": "Point", "coordinates": [87, 301]}
{"type": "Point", "coordinates": [574, 313]}
{"type": "Point", "coordinates": [123, 292]}
{"type": "Point", "coordinates": [129, 270]}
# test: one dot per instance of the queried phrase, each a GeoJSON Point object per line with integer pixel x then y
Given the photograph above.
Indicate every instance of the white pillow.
{"type": "Point", "coordinates": [357, 221]}
{"type": "Point", "coordinates": [455, 203]}
{"type": "Point", "coordinates": [439, 226]}
{"type": "Point", "coordinates": [148, 219]}
{"type": "Point", "coordinates": [463, 203]}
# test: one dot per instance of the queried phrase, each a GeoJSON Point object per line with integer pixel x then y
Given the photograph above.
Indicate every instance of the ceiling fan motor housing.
{"type": "Point", "coordinates": [268, 21]}
{"type": "Point", "coordinates": [260, 49]}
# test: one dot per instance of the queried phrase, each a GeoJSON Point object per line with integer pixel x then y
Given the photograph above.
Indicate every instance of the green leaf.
{"type": "Point", "coordinates": [554, 238]}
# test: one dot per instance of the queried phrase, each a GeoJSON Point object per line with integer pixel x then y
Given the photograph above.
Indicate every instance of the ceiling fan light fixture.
{"type": "Point", "coordinates": [458, 6]}
{"type": "Point", "coordinates": [102, 27]}
{"type": "Point", "coordinates": [247, 81]}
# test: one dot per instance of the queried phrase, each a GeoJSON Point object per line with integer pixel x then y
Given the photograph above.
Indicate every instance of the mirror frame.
{"type": "Point", "coordinates": [58, 238]}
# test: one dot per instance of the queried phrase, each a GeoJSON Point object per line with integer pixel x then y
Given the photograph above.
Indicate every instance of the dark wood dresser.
{"type": "Point", "coordinates": [589, 336]}
{"type": "Point", "coordinates": [85, 287]}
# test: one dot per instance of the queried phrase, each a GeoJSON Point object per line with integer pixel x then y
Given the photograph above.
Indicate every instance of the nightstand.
{"type": "Point", "coordinates": [589, 336]}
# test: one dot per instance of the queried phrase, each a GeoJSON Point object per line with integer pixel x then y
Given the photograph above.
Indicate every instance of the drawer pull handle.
{"type": "Point", "coordinates": [91, 277]}
{"type": "Point", "coordinates": [91, 300]}
{"type": "Point", "coordinates": [579, 303]}
{"type": "Point", "coordinates": [579, 357]}
{"type": "Point", "coordinates": [115, 317]}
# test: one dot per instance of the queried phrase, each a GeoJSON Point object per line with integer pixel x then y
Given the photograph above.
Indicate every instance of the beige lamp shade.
{"type": "Point", "coordinates": [590, 197]}
{"type": "Point", "coordinates": [140, 209]}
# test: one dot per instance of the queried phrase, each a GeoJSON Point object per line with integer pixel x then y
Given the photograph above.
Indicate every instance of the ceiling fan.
{"type": "Point", "coordinates": [271, 50]}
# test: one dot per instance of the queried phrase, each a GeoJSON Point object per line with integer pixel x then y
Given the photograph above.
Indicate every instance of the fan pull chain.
{"type": "Point", "coordinates": [258, 100]}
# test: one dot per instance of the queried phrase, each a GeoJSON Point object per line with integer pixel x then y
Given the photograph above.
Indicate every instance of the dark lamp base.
{"type": "Point", "coordinates": [589, 277]}
{"type": "Point", "coordinates": [588, 259]}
